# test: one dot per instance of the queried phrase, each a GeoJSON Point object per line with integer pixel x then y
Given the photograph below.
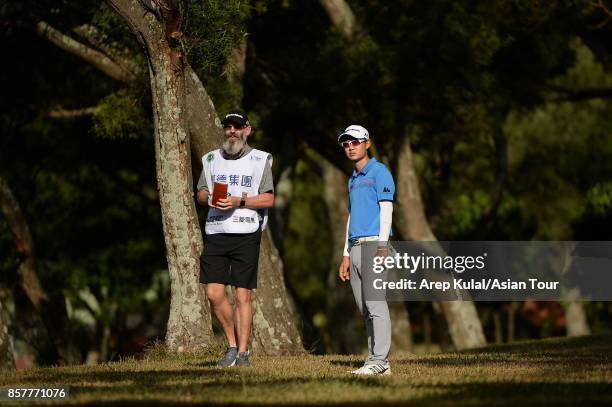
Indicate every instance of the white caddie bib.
{"type": "Point", "coordinates": [241, 175]}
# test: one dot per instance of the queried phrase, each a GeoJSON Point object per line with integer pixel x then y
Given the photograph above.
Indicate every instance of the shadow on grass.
{"type": "Point", "coordinates": [124, 387]}
{"type": "Point", "coordinates": [210, 363]}
{"type": "Point", "coordinates": [496, 360]}
{"type": "Point", "coordinates": [553, 379]}
{"type": "Point", "coordinates": [347, 363]}
{"type": "Point", "coordinates": [594, 345]}
{"type": "Point", "coordinates": [156, 380]}
{"type": "Point", "coordinates": [477, 393]}
{"type": "Point", "coordinates": [509, 393]}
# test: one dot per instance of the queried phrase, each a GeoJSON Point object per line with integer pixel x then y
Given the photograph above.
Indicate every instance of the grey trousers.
{"type": "Point", "coordinates": [375, 313]}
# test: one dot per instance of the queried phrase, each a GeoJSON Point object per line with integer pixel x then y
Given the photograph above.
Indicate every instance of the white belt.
{"type": "Point", "coordinates": [360, 240]}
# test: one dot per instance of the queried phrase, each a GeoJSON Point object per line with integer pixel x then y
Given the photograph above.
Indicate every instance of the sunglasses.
{"type": "Point", "coordinates": [353, 143]}
{"type": "Point", "coordinates": [230, 125]}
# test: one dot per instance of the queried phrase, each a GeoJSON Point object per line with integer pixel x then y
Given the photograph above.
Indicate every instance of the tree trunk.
{"type": "Point", "coordinates": [342, 315]}
{"type": "Point", "coordinates": [341, 15]}
{"type": "Point", "coordinates": [427, 331]}
{"type": "Point", "coordinates": [190, 99]}
{"type": "Point", "coordinates": [576, 320]}
{"type": "Point", "coordinates": [24, 245]}
{"type": "Point", "coordinates": [497, 324]}
{"type": "Point", "coordinates": [52, 312]}
{"type": "Point", "coordinates": [511, 321]}
{"type": "Point", "coordinates": [205, 131]}
{"type": "Point", "coordinates": [7, 360]}
{"type": "Point", "coordinates": [283, 193]}
{"type": "Point", "coordinates": [401, 333]}
{"type": "Point", "coordinates": [189, 322]}
{"type": "Point", "coordinates": [158, 30]}
{"type": "Point", "coordinates": [464, 325]}
{"type": "Point", "coordinates": [275, 325]}
{"type": "Point", "coordinates": [442, 329]}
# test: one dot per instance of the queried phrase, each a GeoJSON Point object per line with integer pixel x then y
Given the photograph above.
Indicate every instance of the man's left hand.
{"type": "Point", "coordinates": [231, 202]}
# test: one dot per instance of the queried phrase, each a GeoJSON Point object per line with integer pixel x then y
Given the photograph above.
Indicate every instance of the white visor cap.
{"type": "Point", "coordinates": [355, 131]}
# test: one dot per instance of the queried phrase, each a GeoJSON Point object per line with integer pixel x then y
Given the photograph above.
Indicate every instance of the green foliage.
{"type": "Point", "coordinates": [454, 76]}
{"type": "Point", "coordinates": [306, 260]}
{"type": "Point", "coordinates": [594, 219]}
{"type": "Point", "coordinates": [91, 203]}
{"type": "Point", "coordinates": [115, 30]}
{"type": "Point", "coordinates": [565, 147]}
{"type": "Point", "coordinates": [214, 32]}
{"type": "Point", "coordinates": [599, 198]}
{"type": "Point", "coordinates": [214, 29]}
{"type": "Point", "coordinates": [120, 115]}
{"type": "Point", "coordinates": [467, 211]}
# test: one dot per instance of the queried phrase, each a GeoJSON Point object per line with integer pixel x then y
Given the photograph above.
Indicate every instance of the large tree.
{"type": "Point", "coordinates": [205, 134]}
{"type": "Point", "coordinates": [158, 28]}
{"type": "Point", "coordinates": [182, 108]}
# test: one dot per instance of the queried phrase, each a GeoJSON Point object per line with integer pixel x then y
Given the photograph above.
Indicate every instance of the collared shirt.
{"type": "Point", "coordinates": [367, 188]}
{"type": "Point", "coordinates": [266, 184]}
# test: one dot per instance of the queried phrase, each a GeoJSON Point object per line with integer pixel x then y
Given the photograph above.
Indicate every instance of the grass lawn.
{"type": "Point", "coordinates": [559, 371]}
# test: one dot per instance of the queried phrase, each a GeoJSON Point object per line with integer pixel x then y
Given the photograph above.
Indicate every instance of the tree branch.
{"type": "Point", "coordinates": [61, 113]}
{"type": "Point", "coordinates": [204, 126]}
{"type": "Point", "coordinates": [90, 55]}
{"type": "Point", "coordinates": [205, 130]}
{"type": "Point", "coordinates": [341, 15]}
{"type": "Point", "coordinates": [600, 5]}
{"type": "Point", "coordinates": [121, 55]}
{"type": "Point", "coordinates": [575, 95]}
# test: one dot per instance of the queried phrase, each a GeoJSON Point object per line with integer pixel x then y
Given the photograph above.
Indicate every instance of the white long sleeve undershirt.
{"type": "Point", "coordinates": [345, 252]}
{"type": "Point", "coordinates": [386, 216]}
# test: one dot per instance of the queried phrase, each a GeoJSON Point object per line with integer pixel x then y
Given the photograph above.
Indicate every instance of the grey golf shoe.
{"type": "Point", "coordinates": [242, 359]}
{"type": "Point", "coordinates": [229, 359]}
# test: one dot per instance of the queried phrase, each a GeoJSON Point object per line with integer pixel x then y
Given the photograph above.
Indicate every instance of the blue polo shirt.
{"type": "Point", "coordinates": [367, 187]}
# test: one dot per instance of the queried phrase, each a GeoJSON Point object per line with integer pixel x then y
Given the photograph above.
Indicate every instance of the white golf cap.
{"type": "Point", "coordinates": [355, 131]}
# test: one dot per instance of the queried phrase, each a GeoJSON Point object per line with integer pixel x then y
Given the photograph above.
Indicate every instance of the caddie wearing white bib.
{"type": "Point", "coordinates": [233, 229]}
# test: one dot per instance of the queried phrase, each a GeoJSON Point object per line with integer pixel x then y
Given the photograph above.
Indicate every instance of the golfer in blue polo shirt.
{"type": "Point", "coordinates": [371, 189]}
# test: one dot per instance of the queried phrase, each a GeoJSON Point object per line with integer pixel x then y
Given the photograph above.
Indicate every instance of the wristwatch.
{"type": "Point", "coordinates": [243, 200]}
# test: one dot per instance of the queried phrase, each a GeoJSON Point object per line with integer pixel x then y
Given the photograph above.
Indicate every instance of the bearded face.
{"type": "Point", "coordinates": [234, 143]}
{"type": "Point", "coordinates": [235, 138]}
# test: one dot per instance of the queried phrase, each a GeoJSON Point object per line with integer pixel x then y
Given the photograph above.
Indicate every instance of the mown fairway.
{"type": "Point", "coordinates": [555, 371]}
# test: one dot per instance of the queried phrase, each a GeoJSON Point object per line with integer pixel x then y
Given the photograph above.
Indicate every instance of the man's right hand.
{"type": "Point", "coordinates": [343, 271]}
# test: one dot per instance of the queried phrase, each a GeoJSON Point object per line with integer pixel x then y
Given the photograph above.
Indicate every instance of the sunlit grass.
{"type": "Point", "coordinates": [551, 371]}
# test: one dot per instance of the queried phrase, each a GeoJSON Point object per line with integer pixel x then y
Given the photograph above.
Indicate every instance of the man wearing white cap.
{"type": "Point", "coordinates": [371, 190]}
